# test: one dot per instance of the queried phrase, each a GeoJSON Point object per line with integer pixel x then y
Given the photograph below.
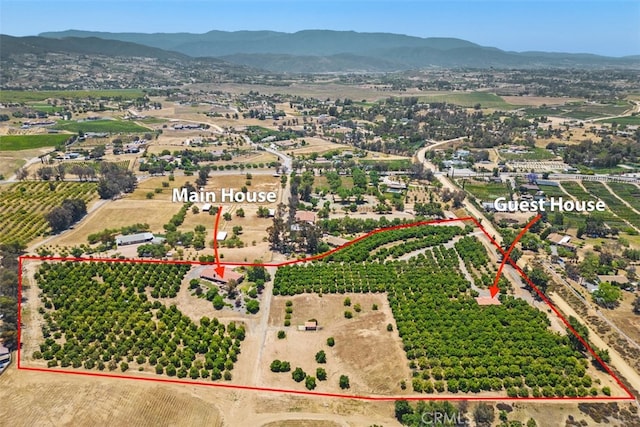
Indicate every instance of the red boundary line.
{"type": "Point", "coordinates": [314, 393]}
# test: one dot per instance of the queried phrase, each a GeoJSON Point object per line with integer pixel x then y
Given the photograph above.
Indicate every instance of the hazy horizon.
{"type": "Point", "coordinates": [609, 28]}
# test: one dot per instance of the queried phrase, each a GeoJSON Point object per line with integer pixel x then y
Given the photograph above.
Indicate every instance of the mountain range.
{"type": "Point", "coordinates": [309, 51]}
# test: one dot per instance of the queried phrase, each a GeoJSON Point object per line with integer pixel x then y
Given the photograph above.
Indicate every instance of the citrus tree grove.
{"type": "Point", "coordinates": [452, 344]}
{"type": "Point", "coordinates": [108, 316]}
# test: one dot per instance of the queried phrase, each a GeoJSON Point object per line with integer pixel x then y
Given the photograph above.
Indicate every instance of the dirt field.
{"type": "Point", "coordinates": [118, 213]}
{"type": "Point", "coordinates": [624, 318]}
{"type": "Point", "coordinates": [317, 145]}
{"type": "Point", "coordinates": [370, 356]}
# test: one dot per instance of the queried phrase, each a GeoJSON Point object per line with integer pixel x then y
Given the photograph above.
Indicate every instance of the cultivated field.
{"type": "Point", "coordinates": [25, 204]}
{"type": "Point", "coordinates": [29, 142]}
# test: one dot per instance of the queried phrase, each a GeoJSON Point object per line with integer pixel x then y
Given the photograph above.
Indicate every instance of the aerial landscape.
{"type": "Point", "coordinates": [288, 217]}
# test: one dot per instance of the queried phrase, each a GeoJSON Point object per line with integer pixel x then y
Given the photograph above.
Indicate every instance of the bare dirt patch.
{"type": "Point", "coordinates": [120, 213]}
{"type": "Point", "coordinates": [364, 350]}
{"type": "Point", "coordinates": [48, 399]}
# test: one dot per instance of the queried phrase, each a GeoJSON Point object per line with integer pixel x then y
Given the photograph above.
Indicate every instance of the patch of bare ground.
{"type": "Point", "coordinates": [119, 213]}
{"type": "Point", "coordinates": [364, 350]}
{"type": "Point", "coordinates": [302, 423]}
{"type": "Point", "coordinates": [49, 399]}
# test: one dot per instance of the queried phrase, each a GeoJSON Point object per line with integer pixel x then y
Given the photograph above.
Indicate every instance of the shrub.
{"type": "Point", "coordinates": [282, 335]}
{"type": "Point", "coordinates": [321, 357]}
{"type": "Point", "coordinates": [344, 382]}
{"type": "Point", "coordinates": [298, 375]}
{"type": "Point", "coordinates": [331, 341]}
{"type": "Point", "coordinates": [321, 374]}
{"type": "Point", "coordinates": [310, 383]}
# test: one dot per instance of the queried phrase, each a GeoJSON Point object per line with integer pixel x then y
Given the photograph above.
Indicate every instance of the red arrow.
{"type": "Point", "coordinates": [495, 289]}
{"type": "Point", "coordinates": [219, 269]}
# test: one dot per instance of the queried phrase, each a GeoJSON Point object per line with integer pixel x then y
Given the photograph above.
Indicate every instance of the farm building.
{"type": "Point", "coordinates": [310, 325]}
{"type": "Point", "coordinates": [209, 273]}
{"type": "Point", "coordinates": [132, 239]}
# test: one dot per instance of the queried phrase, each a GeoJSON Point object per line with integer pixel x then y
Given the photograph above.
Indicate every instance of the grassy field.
{"type": "Point", "coordinates": [487, 191]}
{"type": "Point", "coordinates": [627, 121]}
{"type": "Point", "coordinates": [7, 96]}
{"type": "Point", "coordinates": [552, 191]}
{"type": "Point", "coordinates": [537, 154]}
{"type": "Point", "coordinates": [27, 142]}
{"type": "Point", "coordinates": [393, 164]}
{"type": "Point", "coordinates": [112, 126]}
{"type": "Point", "coordinates": [470, 99]}
{"type": "Point", "coordinates": [579, 111]}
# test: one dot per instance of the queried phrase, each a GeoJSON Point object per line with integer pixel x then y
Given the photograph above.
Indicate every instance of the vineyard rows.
{"type": "Point", "coordinates": [24, 205]}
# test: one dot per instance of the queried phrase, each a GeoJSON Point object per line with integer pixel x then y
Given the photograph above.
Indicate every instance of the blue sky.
{"type": "Point", "coordinates": [602, 27]}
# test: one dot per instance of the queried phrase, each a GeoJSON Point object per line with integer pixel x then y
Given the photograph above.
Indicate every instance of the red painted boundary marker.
{"type": "Point", "coordinates": [22, 258]}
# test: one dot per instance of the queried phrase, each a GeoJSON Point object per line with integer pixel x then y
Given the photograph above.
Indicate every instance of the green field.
{"type": "Point", "coordinates": [469, 99]}
{"type": "Point", "coordinates": [552, 191]}
{"type": "Point", "coordinates": [46, 108]}
{"type": "Point", "coordinates": [576, 190]}
{"type": "Point", "coordinates": [111, 126]}
{"type": "Point", "coordinates": [610, 217]}
{"type": "Point", "coordinates": [627, 120]}
{"type": "Point", "coordinates": [392, 165]}
{"type": "Point", "coordinates": [19, 96]}
{"type": "Point", "coordinates": [487, 191]}
{"type": "Point", "coordinates": [613, 203]}
{"type": "Point", "coordinates": [27, 142]}
{"type": "Point", "coordinates": [628, 192]}
{"type": "Point", "coordinates": [580, 111]}
{"type": "Point", "coordinates": [537, 154]}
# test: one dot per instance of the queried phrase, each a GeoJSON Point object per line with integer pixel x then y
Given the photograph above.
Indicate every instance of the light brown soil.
{"type": "Point", "coordinates": [372, 357]}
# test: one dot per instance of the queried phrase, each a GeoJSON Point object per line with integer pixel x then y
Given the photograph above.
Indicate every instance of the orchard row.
{"type": "Point", "coordinates": [104, 316]}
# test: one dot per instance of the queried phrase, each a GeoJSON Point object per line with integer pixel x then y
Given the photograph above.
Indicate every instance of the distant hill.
{"type": "Point", "coordinates": [94, 63]}
{"type": "Point", "coordinates": [87, 46]}
{"type": "Point", "coordinates": [344, 51]}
